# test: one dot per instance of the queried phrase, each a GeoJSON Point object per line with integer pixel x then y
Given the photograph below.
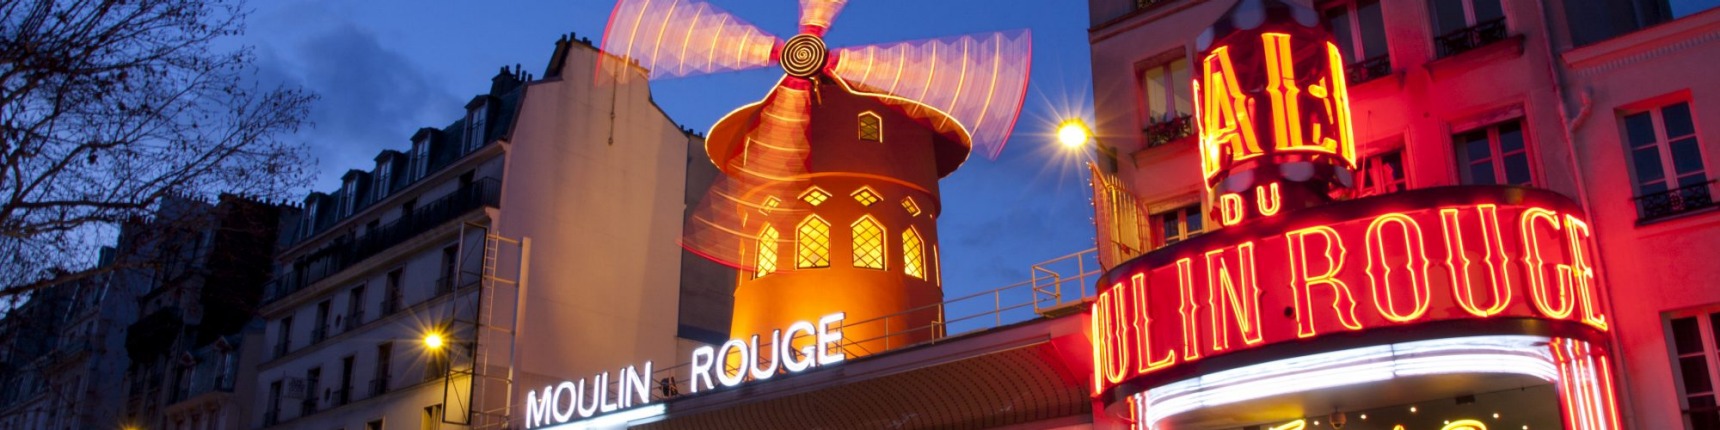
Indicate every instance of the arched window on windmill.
{"type": "Point", "coordinates": [913, 254]}
{"type": "Point", "coordinates": [871, 127]}
{"type": "Point", "coordinates": [812, 243]}
{"type": "Point", "coordinates": [767, 240]}
{"type": "Point", "coordinates": [868, 243]}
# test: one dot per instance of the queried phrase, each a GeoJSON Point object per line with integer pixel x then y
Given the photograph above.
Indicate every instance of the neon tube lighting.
{"type": "Point", "coordinates": [1522, 355]}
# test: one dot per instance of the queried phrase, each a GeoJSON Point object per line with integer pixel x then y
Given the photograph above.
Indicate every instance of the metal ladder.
{"type": "Point", "coordinates": [477, 390]}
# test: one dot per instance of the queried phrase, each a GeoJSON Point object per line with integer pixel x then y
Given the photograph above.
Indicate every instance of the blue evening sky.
{"type": "Point", "coordinates": [384, 68]}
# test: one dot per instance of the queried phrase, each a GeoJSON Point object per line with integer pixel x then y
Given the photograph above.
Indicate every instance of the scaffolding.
{"type": "Point", "coordinates": [477, 385]}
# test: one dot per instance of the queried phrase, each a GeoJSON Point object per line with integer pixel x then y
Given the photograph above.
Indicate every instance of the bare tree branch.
{"type": "Point", "coordinates": [107, 107]}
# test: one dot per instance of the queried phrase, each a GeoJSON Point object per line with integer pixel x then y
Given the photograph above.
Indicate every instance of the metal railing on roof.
{"type": "Point", "coordinates": [1056, 287]}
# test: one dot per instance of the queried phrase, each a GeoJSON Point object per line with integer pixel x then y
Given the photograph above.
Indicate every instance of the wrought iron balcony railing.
{"type": "Point", "coordinates": [1367, 70]}
{"type": "Point", "coordinates": [1169, 130]}
{"type": "Point", "coordinates": [354, 319]}
{"type": "Point", "coordinates": [1463, 40]}
{"type": "Point", "coordinates": [345, 251]}
{"type": "Point", "coordinates": [1675, 201]}
{"type": "Point", "coordinates": [378, 386]}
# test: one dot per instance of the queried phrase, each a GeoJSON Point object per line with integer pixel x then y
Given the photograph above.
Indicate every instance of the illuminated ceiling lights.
{"type": "Point", "coordinates": [1522, 355]}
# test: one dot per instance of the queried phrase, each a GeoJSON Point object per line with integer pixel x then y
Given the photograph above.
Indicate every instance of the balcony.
{"type": "Point", "coordinates": [379, 386]}
{"type": "Point", "coordinates": [343, 396]}
{"type": "Point", "coordinates": [354, 318]}
{"type": "Point", "coordinates": [308, 406]}
{"type": "Point", "coordinates": [1367, 70]}
{"type": "Point", "coordinates": [281, 349]}
{"type": "Point", "coordinates": [319, 333]}
{"type": "Point", "coordinates": [1172, 129]}
{"type": "Point", "coordinates": [348, 250]}
{"type": "Point", "coordinates": [1464, 40]}
{"type": "Point", "coordinates": [390, 305]}
{"type": "Point", "coordinates": [1664, 204]}
{"type": "Point", "coordinates": [272, 417]}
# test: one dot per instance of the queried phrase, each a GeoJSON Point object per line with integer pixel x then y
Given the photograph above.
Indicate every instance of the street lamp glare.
{"type": "Point", "coordinates": [433, 340]}
{"type": "Point", "coordinates": [1072, 134]}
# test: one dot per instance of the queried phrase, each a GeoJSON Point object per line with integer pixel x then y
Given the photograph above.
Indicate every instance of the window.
{"type": "Point", "coordinates": [420, 157]}
{"type": "Point", "coordinates": [446, 283]}
{"type": "Point", "coordinates": [1359, 27]}
{"type": "Point", "coordinates": [1382, 173]}
{"type": "Point", "coordinates": [373, 425]}
{"type": "Point", "coordinates": [284, 336]}
{"type": "Point", "coordinates": [433, 417]}
{"type": "Point", "coordinates": [320, 331]}
{"type": "Point", "coordinates": [913, 254]}
{"type": "Point", "coordinates": [1462, 25]}
{"type": "Point", "coordinates": [384, 354]}
{"type": "Point", "coordinates": [476, 130]}
{"type": "Point", "coordinates": [273, 414]}
{"type": "Point", "coordinates": [815, 196]}
{"type": "Point", "coordinates": [868, 243]}
{"type": "Point", "coordinates": [344, 396]}
{"type": "Point", "coordinates": [871, 127]}
{"type": "Point", "coordinates": [1694, 346]}
{"type": "Point", "coordinates": [770, 204]}
{"type": "Point", "coordinates": [767, 241]}
{"type": "Point", "coordinates": [391, 293]}
{"type": "Point", "coordinates": [384, 171]}
{"type": "Point", "coordinates": [1666, 161]}
{"type": "Point", "coordinates": [909, 205]}
{"type": "Point", "coordinates": [311, 215]}
{"type": "Point", "coordinates": [1180, 224]}
{"type": "Point", "coordinates": [812, 243]}
{"type": "Point", "coordinates": [1494, 155]}
{"type": "Point", "coordinates": [349, 196]}
{"type": "Point", "coordinates": [1166, 88]}
{"type": "Point", "coordinates": [312, 381]}
{"type": "Point", "coordinates": [866, 196]}
{"type": "Point", "coordinates": [355, 307]}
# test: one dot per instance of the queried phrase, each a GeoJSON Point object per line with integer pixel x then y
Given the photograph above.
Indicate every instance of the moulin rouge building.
{"type": "Point", "coordinates": [1362, 214]}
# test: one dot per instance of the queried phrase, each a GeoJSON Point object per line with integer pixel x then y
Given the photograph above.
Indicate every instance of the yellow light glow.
{"type": "Point", "coordinates": [433, 341]}
{"type": "Point", "coordinates": [1073, 134]}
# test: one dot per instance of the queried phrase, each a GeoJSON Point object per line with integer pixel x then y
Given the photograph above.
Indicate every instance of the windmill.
{"type": "Point", "coordinates": [829, 195]}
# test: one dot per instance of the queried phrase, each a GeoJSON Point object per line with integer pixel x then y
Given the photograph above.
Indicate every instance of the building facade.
{"type": "Point", "coordinates": [394, 305]}
{"type": "Point", "coordinates": [1599, 103]}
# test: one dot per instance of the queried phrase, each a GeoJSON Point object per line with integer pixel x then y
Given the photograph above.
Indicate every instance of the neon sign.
{"type": "Point", "coordinates": [1469, 253]}
{"type": "Point", "coordinates": [804, 345]}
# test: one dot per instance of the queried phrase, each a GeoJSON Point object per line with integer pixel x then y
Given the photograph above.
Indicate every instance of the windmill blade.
{"type": "Point", "coordinates": [729, 221]}
{"type": "Point", "coordinates": [979, 80]}
{"type": "Point", "coordinates": [816, 15]}
{"type": "Point", "coordinates": [672, 38]}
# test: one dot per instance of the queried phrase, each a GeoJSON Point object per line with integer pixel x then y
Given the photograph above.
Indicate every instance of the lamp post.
{"type": "Point", "coordinates": [1073, 134]}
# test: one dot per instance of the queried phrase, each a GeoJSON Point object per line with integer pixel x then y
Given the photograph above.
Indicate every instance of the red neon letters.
{"type": "Point", "coordinates": [1418, 266]}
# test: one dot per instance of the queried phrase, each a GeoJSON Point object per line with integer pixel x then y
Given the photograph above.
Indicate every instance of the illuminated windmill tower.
{"type": "Point", "coordinates": [829, 198]}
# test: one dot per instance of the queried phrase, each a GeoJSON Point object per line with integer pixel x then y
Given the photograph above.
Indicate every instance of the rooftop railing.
{"type": "Point", "coordinates": [1056, 287]}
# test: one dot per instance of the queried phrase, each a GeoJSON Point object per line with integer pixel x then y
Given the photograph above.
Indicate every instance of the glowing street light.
{"type": "Point", "coordinates": [1073, 133]}
{"type": "Point", "coordinates": [433, 341]}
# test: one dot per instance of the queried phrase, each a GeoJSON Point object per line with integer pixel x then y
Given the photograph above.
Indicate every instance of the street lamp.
{"type": "Point", "coordinates": [1073, 133]}
{"type": "Point", "coordinates": [433, 341]}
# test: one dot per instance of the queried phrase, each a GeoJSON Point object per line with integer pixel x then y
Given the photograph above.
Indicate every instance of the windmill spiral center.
{"type": "Point", "coordinates": [803, 56]}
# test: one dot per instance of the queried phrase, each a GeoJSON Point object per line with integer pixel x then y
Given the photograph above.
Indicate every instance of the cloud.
{"type": "Point", "coordinates": [370, 96]}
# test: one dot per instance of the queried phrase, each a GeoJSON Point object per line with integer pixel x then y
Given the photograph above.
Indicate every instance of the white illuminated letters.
{"type": "Point", "coordinates": [731, 364]}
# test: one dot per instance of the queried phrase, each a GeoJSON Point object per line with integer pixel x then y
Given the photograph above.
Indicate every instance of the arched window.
{"type": "Point", "coordinates": [913, 254]}
{"type": "Point", "coordinates": [871, 127]}
{"type": "Point", "coordinates": [767, 240]}
{"type": "Point", "coordinates": [812, 243]}
{"type": "Point", "coordinates": [868, 243]}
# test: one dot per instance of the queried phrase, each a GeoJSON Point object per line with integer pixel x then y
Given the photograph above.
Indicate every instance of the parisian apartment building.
{"type": "Point", "coordinates": [1612, 104]}
{"type": "Point", "coordinates": [152, 334]}
{"type": "Point", "coordinates": [575, 182]}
